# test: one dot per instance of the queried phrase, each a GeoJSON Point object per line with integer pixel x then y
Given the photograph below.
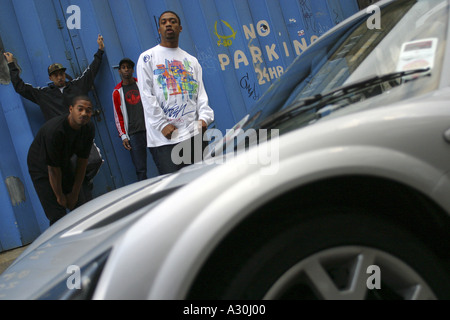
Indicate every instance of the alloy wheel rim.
{"type": "Point", "coordinates": [351, 273]}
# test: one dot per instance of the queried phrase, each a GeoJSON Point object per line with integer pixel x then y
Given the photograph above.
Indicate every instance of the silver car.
{"type": "Point", "coordinates": [335, 186]}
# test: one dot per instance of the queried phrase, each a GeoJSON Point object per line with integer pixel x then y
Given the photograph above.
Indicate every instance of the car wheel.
{"type": "Point", "coordinates": [347, 255]}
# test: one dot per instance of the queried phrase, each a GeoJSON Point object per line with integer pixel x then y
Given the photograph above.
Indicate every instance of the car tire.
{"type": "Point", "coordinates": [338, 254]}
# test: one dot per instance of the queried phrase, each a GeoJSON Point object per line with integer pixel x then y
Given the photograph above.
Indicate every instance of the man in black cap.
{"type": "Point", "coordinates": [54, 100]}
{"type": "Point", "coordinates": [129, 117]}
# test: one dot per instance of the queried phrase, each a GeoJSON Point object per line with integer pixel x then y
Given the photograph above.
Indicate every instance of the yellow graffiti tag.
{"type": "Point", "coordinates": [225, 40]}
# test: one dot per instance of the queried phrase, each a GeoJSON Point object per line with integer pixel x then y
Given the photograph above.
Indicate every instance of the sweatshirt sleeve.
{"type": "Point", "coordinates": [154, 114]}
{"type": "Point", "coordinates": [24, 89]}
{"type": "Point", "coordinates": [118, 116]}
{"type": "Point", "coordinates": [86, 80]}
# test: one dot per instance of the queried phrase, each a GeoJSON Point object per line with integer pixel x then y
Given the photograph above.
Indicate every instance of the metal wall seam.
{"type": "Point", "coordinates": [33, 36]}
{"type": "Point", "coordinates": [9, 232]}
{"type": "Point", "coordinates": [232, 52]}
{"type": "Point", "coordinates": [106, 132]}
{"type": "Point", "coordinates": [347, 7]}
{"type": "Point", "coordinates": [247, 55]}
{"type": "Point", "coordinates": [268, 28]}
{"type": "Point", "coordinates": [16, 137]}
{"type": "Point", "coordinates": [29, 218]}
{"type": "Point", "coordinates": [146, 26]}
{"type": "Point", "coordinates": [15, 42]}
{"type": "Point", "coordinates": [131, 22]}
{"type": "Point", "coordinates": [206, 51]}
{"type": "Point", "coordinates": [126, 43]}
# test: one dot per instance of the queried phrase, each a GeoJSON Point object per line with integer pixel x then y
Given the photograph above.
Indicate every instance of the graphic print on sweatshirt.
{"type": "Point", "coordinates": [174, 78]}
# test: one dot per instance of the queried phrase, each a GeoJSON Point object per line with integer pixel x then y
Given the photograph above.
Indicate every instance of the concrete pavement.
{"type": "Point", "coordinates": [8, 257]}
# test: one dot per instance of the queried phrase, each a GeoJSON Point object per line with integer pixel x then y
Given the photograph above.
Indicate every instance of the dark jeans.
{"type": "Point", "coordinates": [187, 152]}
{"type": "Point", "coordinates": [95, 161]}
{"type": "Point", "coordinates": [138, 142]}
{"type": "Point", "coordinates": [53, 210]}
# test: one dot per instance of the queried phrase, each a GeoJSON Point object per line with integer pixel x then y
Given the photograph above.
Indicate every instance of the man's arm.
{"type": "Point", "coordinates": [86, 80]}
{"type": "Point", "coordinates": [55, 177]}
{"type": "Point", "coordinates": [119, 120]}
{"type": "Point", "coordinates": [24, 89]}
{"type": "Point", "coordinates": [80, 172]}
{"type": "Point", "coordinates": [118, 115]}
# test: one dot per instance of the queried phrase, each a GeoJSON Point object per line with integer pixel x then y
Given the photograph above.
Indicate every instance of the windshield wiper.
{"type": "Point", "coordinates": [319, 101]}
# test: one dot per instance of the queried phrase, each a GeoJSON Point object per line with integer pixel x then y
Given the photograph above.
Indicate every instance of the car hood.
{"type": "Point", "coordinates": [86, 233]}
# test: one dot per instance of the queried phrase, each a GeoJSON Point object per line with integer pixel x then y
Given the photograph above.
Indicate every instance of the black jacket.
{"type": "Point", "coordinates": [50, 99]}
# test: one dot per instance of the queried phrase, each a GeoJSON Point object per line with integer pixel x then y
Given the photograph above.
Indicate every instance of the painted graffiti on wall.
{"type": "Point", "coordinates": [225, 40]}
{"type": "Point", "coordinates": [256, 55]}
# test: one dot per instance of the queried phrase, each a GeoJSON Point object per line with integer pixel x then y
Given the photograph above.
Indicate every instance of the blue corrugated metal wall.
{"type": "Point", "coordinates": [242, 45]}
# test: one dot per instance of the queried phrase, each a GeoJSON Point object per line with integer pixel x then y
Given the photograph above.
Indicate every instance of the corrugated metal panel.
{"type": "Point", "coordinates": [242, 45]}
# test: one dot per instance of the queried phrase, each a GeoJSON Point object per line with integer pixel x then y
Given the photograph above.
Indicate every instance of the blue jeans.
{"type": "Point", "coordinates": [138, 143]}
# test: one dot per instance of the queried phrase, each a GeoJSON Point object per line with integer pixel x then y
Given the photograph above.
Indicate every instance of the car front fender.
{"type": "Point", "coordinates": [160, 255]}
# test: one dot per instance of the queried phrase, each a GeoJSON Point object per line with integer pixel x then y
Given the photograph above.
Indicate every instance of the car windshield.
{"type": "Point", "coordinates": [409, 34]}
{"type": "Point", "coordinates": [396, 49]}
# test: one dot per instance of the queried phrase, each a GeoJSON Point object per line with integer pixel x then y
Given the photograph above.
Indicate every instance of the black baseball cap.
{"type": "Point", "coordinates": [126, 60]}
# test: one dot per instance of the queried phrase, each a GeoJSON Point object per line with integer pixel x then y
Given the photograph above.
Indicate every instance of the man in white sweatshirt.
{"type": "Point", "coordinates": [175, 102]}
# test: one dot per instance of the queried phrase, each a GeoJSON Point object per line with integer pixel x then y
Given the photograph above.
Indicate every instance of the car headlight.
{"type": "Point", "coordinates": [80, 284]}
